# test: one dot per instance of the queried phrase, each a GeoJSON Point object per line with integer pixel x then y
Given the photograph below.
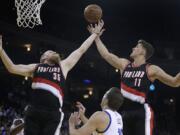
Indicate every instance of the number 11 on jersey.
{"type": "Point", "coordinates": [137, 82]}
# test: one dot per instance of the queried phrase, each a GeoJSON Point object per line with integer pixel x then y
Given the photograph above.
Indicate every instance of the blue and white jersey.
{"type": "Point", "coordinates": [115, 126]}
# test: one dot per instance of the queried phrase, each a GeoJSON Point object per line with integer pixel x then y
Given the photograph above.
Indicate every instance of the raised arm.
{"type": "Point", "coordinates": [156, 72]}
{"type": "Point", "coordinates": [82, 116]}
{"type": "Point", "coordinates": [96, 121]}
{"type": "Point", "coordinates": [112, 59]}
{"type": "Point", "coordinates": [74, 57]}
{"type": "Point", "coordinates": [23, 70]}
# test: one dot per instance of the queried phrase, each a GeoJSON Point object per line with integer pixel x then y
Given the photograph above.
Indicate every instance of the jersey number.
{"type": "Point", "coordinates": [137, 82]}
{"type": "Point", "coordinates": [56, 76]}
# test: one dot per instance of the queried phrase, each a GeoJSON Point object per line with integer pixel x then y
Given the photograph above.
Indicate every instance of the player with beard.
{"type": "Point", "coordinates": [44, 116]}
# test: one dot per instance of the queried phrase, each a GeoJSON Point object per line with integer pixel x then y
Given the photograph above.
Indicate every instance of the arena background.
{"type": "Point", "coordinates": [64, 29]}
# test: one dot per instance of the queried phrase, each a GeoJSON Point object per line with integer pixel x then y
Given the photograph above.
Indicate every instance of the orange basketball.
{"type": "Point", "coordinates": [93, 13]}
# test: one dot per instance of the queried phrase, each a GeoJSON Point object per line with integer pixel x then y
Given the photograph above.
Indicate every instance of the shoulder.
{"type": "Point", "coordinates": [97, 114]}
{"type": "Point", "coordinates": [101, 119]}
{"type": "Point", "coordinates": [63, 67]}
{"type": "Point", "coordinates": [34, 65]}
{"type": "Point", "coordinates": [153, 70]}
{"type": "Point", "coordinates": [125, 61]}
{"type": "Point", "coordinates": [100, 116]}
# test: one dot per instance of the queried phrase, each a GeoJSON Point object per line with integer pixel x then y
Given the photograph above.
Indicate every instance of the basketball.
{"type": "Point", "coordinates": [93, 13]}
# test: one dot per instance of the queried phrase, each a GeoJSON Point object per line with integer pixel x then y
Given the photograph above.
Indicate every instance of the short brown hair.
{"type": "Point", "coordinates": [148, 47]}
{"type": "Point", "coordinates": [115, 98]}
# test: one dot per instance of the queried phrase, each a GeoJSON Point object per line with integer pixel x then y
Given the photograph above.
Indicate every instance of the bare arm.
{"type": "Point", "coordinates": [24, 70]}
{"type": "Point", "coordinates": [74, 57]}
{"type": "Point", "coordinates": [96, 121]}
{"type": "Point", "coordinates": [156, 72]}
{"type": "Point", "coordinates": [112, 59]}
{"type": "Point", "coordinates": [83, 118]}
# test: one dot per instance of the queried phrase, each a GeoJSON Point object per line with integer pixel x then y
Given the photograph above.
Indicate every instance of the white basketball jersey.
{"type": "Point", "coordinates": [115, 125]}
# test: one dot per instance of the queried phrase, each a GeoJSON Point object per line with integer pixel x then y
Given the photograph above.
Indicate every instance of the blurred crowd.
{"type": "Point", "coordinates": [8, 114]}
{"type": "Point", "coordinates": [13, 106]}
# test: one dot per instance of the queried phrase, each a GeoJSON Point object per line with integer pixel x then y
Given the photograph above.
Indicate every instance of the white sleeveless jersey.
{"type": "Point", "coordinates": [115, 125]}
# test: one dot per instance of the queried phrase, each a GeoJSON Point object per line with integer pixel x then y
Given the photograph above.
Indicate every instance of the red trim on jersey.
{"type": "Point", "coordinates": [133, 91]}
{"type": "Point", "coordinates": [151, 121]}
{"type": "Point", "coordinates": [42, 80]}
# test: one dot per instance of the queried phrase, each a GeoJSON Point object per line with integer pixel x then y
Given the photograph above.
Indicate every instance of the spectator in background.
{"type": "Point", "coordinates": [17, 127]}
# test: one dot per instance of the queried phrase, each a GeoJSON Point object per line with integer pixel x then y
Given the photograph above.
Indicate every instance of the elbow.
{"type": "Point", "coordinates": [177, 80]}
{"type": "Point", "coordinates": [176, 84]}
{"type": "Point", "coordinates": [11, 69]}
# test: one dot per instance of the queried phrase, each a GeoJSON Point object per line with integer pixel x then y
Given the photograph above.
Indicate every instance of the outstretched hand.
{"type": "Point", "coordinates": [98, 28]}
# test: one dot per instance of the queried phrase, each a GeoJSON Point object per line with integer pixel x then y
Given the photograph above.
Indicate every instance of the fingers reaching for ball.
{"type": "Point", "coordinates": [102, 31]}
{"type": "Point", "coordinates": [101, 23]}
{"type": "Point", "coordinates": [97, 28]}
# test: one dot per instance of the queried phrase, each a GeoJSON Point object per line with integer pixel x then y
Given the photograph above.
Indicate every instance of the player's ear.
{"type": "Point", "coordinates": [106, 101]}
{"type": "Point", "coordinates": [144, 52]}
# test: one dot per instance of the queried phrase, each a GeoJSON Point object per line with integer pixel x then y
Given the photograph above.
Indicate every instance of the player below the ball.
{"type": "Point", "coordinates": [137, 75]}
{"type": "Point", "coordinates": [44, 115]}
{"type": "Point", "coordinates": [105, 122]}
